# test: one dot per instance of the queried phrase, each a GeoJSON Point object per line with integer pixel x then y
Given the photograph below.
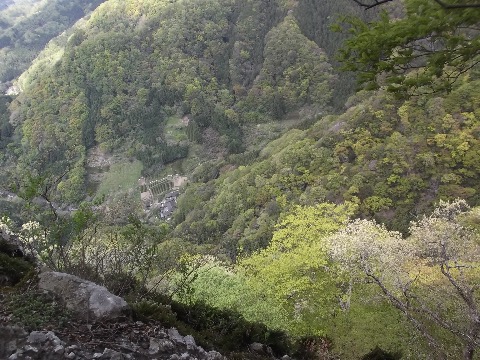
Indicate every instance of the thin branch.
{"type": "Point", "coordinates": [433, 315]}
{"type": "Point", "coordinates": [464, 294]}
{"type": "Point", "coordinates": [404, 309]}
{"type": "Point", "coordinates": [45, 193]}
{"type": "Point", "coordinates": [369, 6]}
{"type": "Point", "coordinates": [443, 4]}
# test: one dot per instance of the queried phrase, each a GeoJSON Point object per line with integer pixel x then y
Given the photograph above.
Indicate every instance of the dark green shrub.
{"type": "Point", "coordinates": [151, 310]}
{"type": "Point", "coordinates": [379, 354]}
{"type": "Point", "coordinates": [35, 309]}
{"type": "Point", "coordinates": [224, 330]}
{"type": "Point", "coordinates": [13, 269]}
{"type": "Point", "coordinates": [314, 347]}
{"type": "Point", "coordinates": [121, 283]}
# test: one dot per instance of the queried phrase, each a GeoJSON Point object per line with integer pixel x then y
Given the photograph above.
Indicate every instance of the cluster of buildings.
{"type": "Point", "coordinates": [159, 196]}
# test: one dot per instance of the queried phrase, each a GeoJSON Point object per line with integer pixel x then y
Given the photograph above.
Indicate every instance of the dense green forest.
{"type": "Point", "coordinates": [343, 213]}
{"type": "Point", "coordinates": [130, 68]}
{"type": "Point", "coordinates": [26, 26]}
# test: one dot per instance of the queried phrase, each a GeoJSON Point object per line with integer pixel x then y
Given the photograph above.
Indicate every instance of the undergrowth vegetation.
{"type": "Point", "coordinates": [36, 309]}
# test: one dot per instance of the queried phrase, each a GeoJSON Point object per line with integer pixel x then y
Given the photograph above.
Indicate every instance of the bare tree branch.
{"type": "Point", "coordinates": [396, 302]}
{"type": "Point", "coordinates": [443, 4]}
{"type": "Point", "coordinates": [369, 6]}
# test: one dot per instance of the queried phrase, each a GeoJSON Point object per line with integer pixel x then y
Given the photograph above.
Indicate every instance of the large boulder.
{"type": "Point", "coordinates": [85, 298]}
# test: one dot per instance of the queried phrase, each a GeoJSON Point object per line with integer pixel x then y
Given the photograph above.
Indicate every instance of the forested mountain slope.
{"type": "Point", "coordinates": [393, 158]}
{"type": "Point", "coordinates": [26, 26]}
{"type": "Point", "coordinates": [133, 65]}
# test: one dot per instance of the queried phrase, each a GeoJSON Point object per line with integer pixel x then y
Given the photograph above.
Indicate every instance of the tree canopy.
{"type": "Point", "coordinates": [424, 51]}
{"type": "Point", "coordinates": [431, 276]}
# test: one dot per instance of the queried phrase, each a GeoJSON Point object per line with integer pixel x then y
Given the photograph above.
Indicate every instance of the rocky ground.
{"type": "Point", "coordinates": [114, 340]}
{"type": "Point", "coordinates": [53, 316]}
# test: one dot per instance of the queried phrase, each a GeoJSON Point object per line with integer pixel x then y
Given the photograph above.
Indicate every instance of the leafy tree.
{"type": "Point", "coordinates": [293, 270]}
{"type": "Point", "coordinates": [295, 72]}
{"type": "Point", "coordinates": [431, 277]}
{"type": "Point", "coordinates": [426, 50]}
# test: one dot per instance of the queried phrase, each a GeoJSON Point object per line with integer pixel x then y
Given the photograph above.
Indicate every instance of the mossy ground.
{"type": "Point", "coordinates": [36, 309]}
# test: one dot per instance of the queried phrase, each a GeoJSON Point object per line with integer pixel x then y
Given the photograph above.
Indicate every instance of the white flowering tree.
{"type": "Point", "coordinates": [432, 276]}
{"type": "Point", "coordinates": [32, 237]}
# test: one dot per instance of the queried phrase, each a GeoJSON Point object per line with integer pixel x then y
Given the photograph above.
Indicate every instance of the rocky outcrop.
{"type": "Point", "coordinates": [86, 299]}
{"type": "Point", "coordinates": [100, 331]}
{"type": "Point", "coordinates": [16, 344]}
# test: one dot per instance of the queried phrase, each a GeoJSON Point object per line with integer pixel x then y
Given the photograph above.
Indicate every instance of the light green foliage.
{"type": "Point", "coordinates": [441, 43]}
{"type": "Point", "coordinates": [295, 270]}
{"type": "Point", "coordinates": [293, 285]}
{"type": "Point", "coordinates": [405, 154]}
{"type": "Point", "coordinates": [220, 286]}
{"type": "Point", "coordinates": [225, 287]}
{"type": "Point", "coordinates": [120, 177]}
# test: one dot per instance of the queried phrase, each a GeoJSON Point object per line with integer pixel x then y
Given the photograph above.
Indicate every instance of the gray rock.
{"type": "Point", "coordinates": [44, 345]}
{"type": "Point", "coordinates": [9, 347]}
{"type": "Point", "coordinates": [161, 334]}
{"type": "Point", "coordinates": [37, 337]}
{"type": "Point", "coordinates": [213, 355]}
{"type": "Point", "coordinates": [260, 349]}
{"type": "Point", "coordinates": [201, 352]}
{"type": "Point", "coordinates": [59, 349]}
{"type": "Point", "coordinates": [160, 345]}
{"type": "Point", "coordinates": [174, 335]}
{"type": "Point", "coordinates": [71, 348]}
{"type": "Point", "coordinates": [11, 338]}
{"type": "Point", "coordinates": [257, 347]}
{"type": "Point", "coordinates": [54, 339]}
{"type": "Point", "coordinates": [30, 348]}
{"type": "Point", "coordinates": [190, 342]}
{"type": "Point", "coordinates": [87, 299]}
{"type": "Point", "coordinates": [112, 355]}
